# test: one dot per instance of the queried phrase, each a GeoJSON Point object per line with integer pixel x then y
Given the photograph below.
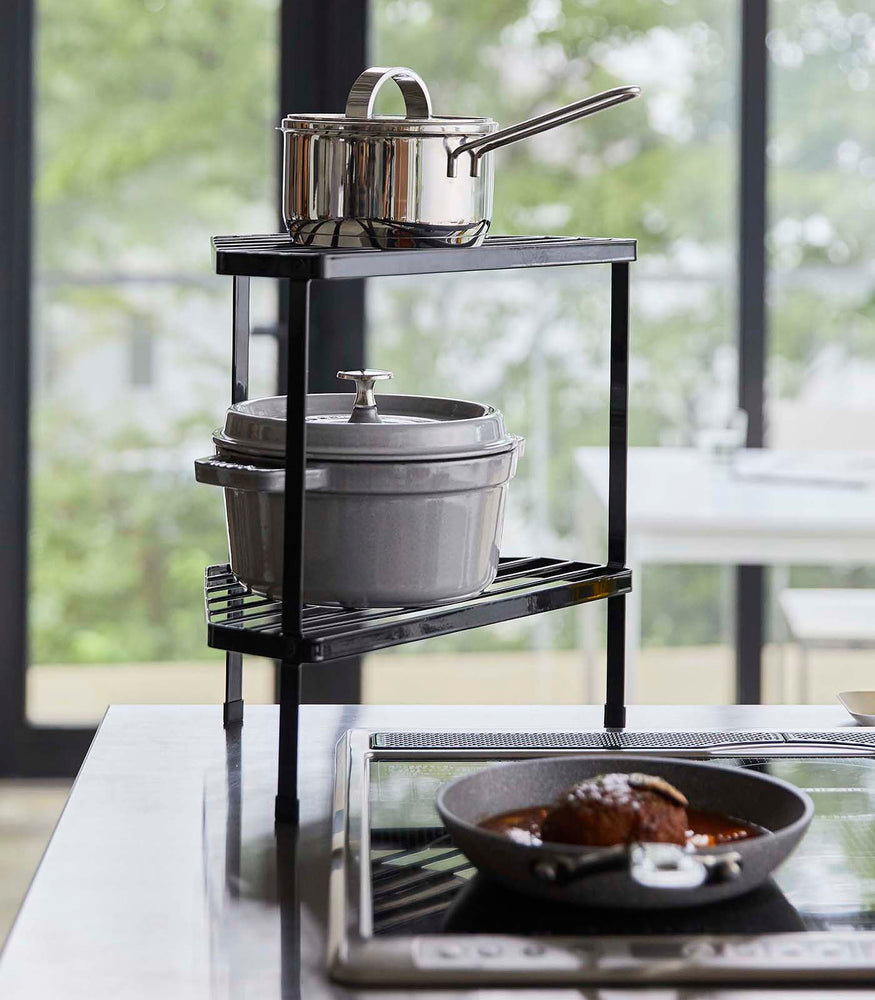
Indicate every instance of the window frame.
{"type": "Point", "coordinates": [318, 43]}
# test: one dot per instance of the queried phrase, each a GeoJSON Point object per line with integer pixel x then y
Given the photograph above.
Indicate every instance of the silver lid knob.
{"type": "Point", "coordinates": [364, 409]}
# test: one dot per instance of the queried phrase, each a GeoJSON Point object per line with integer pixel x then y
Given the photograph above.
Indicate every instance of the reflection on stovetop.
{"type": "Point", "coordinates": [483, 908]}
{"type": "Point", "coordinates": [422, 885]}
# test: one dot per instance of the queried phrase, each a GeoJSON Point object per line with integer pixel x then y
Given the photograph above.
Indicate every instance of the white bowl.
{"type": "Point", "coordinates": [861, 704]}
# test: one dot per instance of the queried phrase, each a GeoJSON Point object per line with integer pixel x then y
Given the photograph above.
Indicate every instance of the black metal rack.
{"type": "Point", "coordinates": [240, 621]}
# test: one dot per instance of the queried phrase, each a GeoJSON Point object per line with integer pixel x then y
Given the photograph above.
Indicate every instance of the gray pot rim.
{"type": "Point", "coordinates": [368, 478]}
{"type": "Point", "coordinates": [435, 428]}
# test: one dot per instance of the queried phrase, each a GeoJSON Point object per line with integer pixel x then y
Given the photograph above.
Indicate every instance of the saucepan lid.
{"type": "Point", "coordinates": [367, 427]}
{"type": "Point", "coordinates": [360, 118]}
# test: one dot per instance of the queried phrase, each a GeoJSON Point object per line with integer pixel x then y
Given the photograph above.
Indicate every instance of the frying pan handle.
{"type": "Point", "coordinates": [562, 869]}
{"type": "Point", "coordinates": [669, 866]}
{"type": "Point", "coordinates": [654, 866]}
{"type": "Point", "coordinates": [532, 126]}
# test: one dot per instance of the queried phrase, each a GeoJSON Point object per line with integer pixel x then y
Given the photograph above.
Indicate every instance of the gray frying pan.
{"type": "Point", "coordinates": [626, 876]}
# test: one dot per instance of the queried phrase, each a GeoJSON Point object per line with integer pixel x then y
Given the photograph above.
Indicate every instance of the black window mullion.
{"type": "Point", "coordinates": [323, 48]}
{"type": "Point", "coordinates": [16, 99]}
{"type": "Point", "coordinates": [752, 341]}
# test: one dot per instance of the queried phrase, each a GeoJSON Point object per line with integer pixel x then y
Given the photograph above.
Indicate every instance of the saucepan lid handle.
{"type": "Point", "coordinates": [363, 93]}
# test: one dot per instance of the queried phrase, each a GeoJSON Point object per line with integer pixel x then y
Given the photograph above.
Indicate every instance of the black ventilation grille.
{"type": "Point", "coordinates": [606, 740]}
{"type": "Point", "coordinates": [848, 737]}
{"type": "Point", "coordinates": [600, 740]}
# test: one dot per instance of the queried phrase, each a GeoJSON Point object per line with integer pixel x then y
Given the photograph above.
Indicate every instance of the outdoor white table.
{"type": "Point", "coordinates": [684, 507]}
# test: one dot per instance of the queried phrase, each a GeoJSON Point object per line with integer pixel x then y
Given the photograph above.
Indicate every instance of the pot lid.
{"type": "Point", "coordinates": [367, 427]}
{"type": "Point", "coordinates": [360, 117]}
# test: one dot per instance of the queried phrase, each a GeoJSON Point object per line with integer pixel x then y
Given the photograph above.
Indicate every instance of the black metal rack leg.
{"type": "Point", "coordinates": [293, 544]}
{"type": "Point", "coordinates": [615, 699]}
{"type": "Point", "coordinates": [232, 710]}
{"type": "Point", "coordinates": [287, 775]}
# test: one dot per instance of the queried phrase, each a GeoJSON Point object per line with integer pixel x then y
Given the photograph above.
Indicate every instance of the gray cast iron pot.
{"type": "Point", "coordinates": [405, 495]}
{"type": "Point", "coordinates": [376, 534]}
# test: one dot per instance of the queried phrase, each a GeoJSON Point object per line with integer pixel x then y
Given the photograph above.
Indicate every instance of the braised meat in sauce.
{"type": "Point", "coordinates": [617, 809]}
{"type": "Point", "coordinates": [620, 809]}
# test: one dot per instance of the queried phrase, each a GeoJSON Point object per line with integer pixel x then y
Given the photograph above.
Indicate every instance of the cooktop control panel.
{"type": "Point", "coordinates": [704, 958]}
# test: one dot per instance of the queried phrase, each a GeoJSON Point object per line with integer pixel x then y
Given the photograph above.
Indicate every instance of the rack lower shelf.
{"type": "Point", "coordinates": [242, 621]}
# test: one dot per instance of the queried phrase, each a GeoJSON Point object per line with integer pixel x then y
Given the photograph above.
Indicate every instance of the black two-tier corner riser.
{"type": "Point", "coordinates": [240, 621]}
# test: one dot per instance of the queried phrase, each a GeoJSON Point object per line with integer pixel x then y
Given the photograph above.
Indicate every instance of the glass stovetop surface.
{"type": "Point", "coordinates": [422, 885]}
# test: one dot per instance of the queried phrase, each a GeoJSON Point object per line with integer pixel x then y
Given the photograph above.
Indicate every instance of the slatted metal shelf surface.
{"type": "Point", "coordinates": [275, 256]}
{"type": "Point", "coordinates": [242, 621]}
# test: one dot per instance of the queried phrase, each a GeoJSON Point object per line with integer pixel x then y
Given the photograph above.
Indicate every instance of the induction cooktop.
{"type": "Point", "coordinates": [406, 907]}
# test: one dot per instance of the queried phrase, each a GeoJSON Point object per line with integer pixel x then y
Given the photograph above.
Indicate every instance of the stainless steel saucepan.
{"type": "Point", "coordinates": [363, 180]}
{"type": "Point", "coordinates": [636, 876]}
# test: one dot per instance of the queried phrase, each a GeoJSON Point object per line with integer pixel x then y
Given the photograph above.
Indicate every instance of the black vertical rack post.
{"type": "Point", "coordinates": [618, 431]}
{"type": "Point", "coordinates": [242, 621]}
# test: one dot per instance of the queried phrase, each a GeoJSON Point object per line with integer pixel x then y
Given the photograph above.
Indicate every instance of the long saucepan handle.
{"type": "Point", "coordinates": [656, 866]}
{"type": "Point", "coordinates": [532, 126]}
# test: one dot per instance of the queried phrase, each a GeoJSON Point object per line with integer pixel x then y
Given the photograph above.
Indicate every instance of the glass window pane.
{"type": "Point", "coordinates": [663, 169]}
{"type": "Point", "coordinates": [822, 194]}
{"type": "Point", "coordinates": [154, 129]}
{"type": "Point", "coordinates": [821, 365]}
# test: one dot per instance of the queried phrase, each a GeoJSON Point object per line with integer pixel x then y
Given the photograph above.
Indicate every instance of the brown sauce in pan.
{"type": "Point", "coordinates": [706, 829]}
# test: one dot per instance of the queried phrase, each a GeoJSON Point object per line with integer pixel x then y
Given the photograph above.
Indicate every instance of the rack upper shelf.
{"type": "Point", "coordinates": [274, 256]}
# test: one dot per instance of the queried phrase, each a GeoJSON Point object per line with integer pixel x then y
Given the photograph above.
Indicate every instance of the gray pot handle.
{"type": "Point", "coordinates": [654, 866]}
{"type": "Point", "coordinates": [363, 93]}
{"type": "Point", "coordinates": [217, 471]}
